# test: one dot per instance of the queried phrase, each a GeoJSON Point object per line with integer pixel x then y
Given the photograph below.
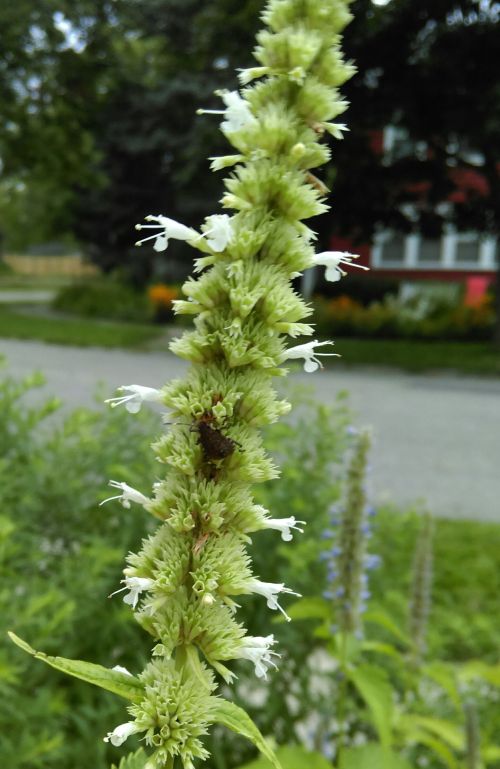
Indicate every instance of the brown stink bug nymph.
{"type": "Point", "coordinates": [214, 443]}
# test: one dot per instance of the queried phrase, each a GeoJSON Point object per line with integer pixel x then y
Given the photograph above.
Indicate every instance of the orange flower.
{"type": "Point", "coordinates": [162, 295]}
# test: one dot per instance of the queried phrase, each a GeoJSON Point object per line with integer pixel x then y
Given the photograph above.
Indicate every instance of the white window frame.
{"type": "Point", "coordinates": [450, 239]}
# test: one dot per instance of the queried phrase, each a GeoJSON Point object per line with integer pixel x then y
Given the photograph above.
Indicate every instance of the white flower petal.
{"type": "Point", "coordinates": [220, 232]}
{"type": "Point", "coordinates": [136, 396]}
{"type": "Point", "coordinates": [161, 243]}
{"type": "Point", "coordinates": [257, 650]}
{"type": "Point", "coordinates": [308, 353]}
{"type": "Point", "coordinates": [285, 526]}
{"type": "Point", "coordinates": [270, 591]}
{"type": "Point", "coordinates": [122, 732]}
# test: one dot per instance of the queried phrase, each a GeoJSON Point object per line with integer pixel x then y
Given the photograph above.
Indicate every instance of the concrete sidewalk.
{"type": "Point", "coordinates": [22, 296]}
{"type": "Point", "coordinates": [437, 437]}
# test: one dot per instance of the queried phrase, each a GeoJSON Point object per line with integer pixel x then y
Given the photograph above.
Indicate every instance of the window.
{"type": "Point", "coordinates": [467, 248]}
{"type": "Point", "coordinates": [429, 251]}
{"type": "Point", "coordinates": [393, 248]}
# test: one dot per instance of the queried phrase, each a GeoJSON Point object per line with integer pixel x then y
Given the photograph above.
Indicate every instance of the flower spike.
{"type": "Point", "coordinates": [182, 581]}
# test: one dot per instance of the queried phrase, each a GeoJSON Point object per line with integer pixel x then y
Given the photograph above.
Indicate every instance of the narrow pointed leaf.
{"type": "Point", "coordinates": [309, 608]}
{"type": "Point", "coordinates": [376, 691]}
{"type": "Point", "coordinates": [235, 718]}
{"type": "Point", "coordinates": [122, 684]}
{"type": "Point", "coordinates": [447, 731]}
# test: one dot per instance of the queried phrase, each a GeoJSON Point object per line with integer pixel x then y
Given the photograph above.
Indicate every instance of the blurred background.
{"type": "Point", "coordinates": [98, 102]}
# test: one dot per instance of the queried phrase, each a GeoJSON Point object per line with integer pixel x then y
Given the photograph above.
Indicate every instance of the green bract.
{"type": "Point", "coordinates": [182, 582]}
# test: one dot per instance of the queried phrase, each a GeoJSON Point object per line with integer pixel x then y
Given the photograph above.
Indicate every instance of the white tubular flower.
{"type": "Point", "coordinates": [270, 590]}
{"type": "Point", "coordinates": [168, 228]}
{"type": "Point", "coordinates": [128, 495]}
{"type": "Point", "coordinates": [285, 525]}
{"type": "Point", "coordinates": [120, 669]}
{"type": "Point", "coordinates": [220, 232]}
{"type": "Point", "coordinates": [118, 736]}
{"type": "Point", "coordinates": [311, 357]}
{"type": "Point", "coordinates": [136, 586]}
{"type": "Point", "coordinates": [332, 261]}
{"type": "Point", "coordinates": [257, 650]}
{"type": "Point", "coordinates": [237, 113]}
{"type": "Point", "coordinates": [136, 396]}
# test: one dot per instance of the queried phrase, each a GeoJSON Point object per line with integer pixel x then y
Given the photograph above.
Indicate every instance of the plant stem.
{"type": "Point", "coordinates": [342, 697]}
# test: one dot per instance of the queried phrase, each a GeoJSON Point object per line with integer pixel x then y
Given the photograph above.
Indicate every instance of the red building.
{"type": "Point", "coordinates": [468, 257]}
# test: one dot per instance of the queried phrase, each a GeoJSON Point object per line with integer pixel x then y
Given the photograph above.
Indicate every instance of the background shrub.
{"type": "Point", "coordinates": [61, 555]}
{"type": "Point", "coordinates": [104, 298]}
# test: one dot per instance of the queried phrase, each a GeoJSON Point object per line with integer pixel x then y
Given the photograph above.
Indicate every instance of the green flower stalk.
{"type": "Point", "coordinates": [183, 582]}
{"type": "Point", "coordinates": [472, 736]}
{"type": "Point", "coordinates": [348, 559]}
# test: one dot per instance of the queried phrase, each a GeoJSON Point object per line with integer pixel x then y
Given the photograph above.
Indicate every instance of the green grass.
{"type": "Point", "coordinates": [415, 356]}
{"type": "Point", "coordinates": [419, 356]}
{"type": "Point", "coordinates": [464, 621]}
{"type": "Point", "coordinates": [80, 332]}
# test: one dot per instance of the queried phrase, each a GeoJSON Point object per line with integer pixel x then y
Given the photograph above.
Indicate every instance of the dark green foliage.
{"type": "Point", "coordinates": [434, 79]}
{"type": "Point", "coordinates": [392, 319]}
{"type": "Point", "coordinates": [60, 557]}
{"type": "Point", "coordinates": [363, 288]}
{"type": "Point", "coordinates": [16, 324]}
{"type": "Point", "coordinates": [115, 135]}
{"type": "Point", "coordinates": [104, 299]}
{"type": "Point", "coordinates": [464, 619]}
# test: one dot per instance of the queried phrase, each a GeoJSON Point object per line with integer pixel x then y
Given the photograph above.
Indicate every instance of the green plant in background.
{"type": "Point", "coordinates": [57, 553]}
{"type": "Point", "coordinates": [104, 298]}
{"type": "Point", "coordinates": [388, 704]}
{"type": "Point", "coordinates": [51, 727]}
{"type": "Point", "coordinates": [182, 582]}
{"type": "Point", "coordinates": [391, 318]}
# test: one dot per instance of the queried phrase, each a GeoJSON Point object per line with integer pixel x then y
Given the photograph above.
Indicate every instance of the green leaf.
{"type": "Point", "coordinates": [292, 757]}
{"type": "Point", "coordinates": [437, 746]}
{"type": "Point", "coordinates": [124, 685]}
{"type": "Point", "coordinates": [132, 761]}
{"type": "Point", "coordinates": [447, 731]}
{"type": "Point", "coordinates": [376, 691]}
{"type": "Point", "coordinates": [235, 718]}
{"type": "Point", "coordinates": [490, 754]}
{"type": "Point", "coordinates": [445, 676]}
{"type": "Point", "coordinates": [382, 619]}
{"type": "Point", "coordinates": [372, 756]}
{"type": "Point", "coordinates": [310, 608]}
{"type": "Point", "coordinates": [380, 648]}
{"type": "Point", "coordinates": [478, 669]}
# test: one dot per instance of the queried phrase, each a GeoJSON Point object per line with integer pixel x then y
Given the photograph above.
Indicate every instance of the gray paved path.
{"type": "Point", "coordinates": [11, 296]}
{"type": "Point", "coordinates": [437, 436]}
